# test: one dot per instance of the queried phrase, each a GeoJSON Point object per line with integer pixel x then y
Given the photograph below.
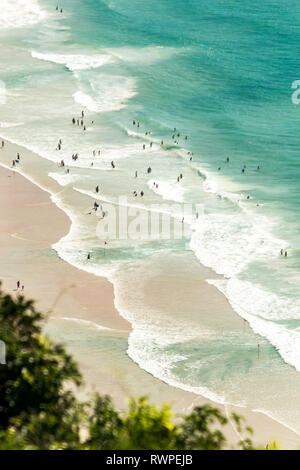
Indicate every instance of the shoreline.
{"type": "Point", "coordinates": [62, 287]}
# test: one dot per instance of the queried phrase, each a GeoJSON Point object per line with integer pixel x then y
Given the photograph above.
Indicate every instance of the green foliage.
{"type": "Point", "coordinates": [104, 424]}
{"type": "Point", "coordinates": [37, 411]}
{"type": "Point", "coordinates": [32, 382]}
{"type": "Point", "coordinates": [197, 430]}
{"type": "Point", "coordinates": [245, 443]}
{"type": "Point", "coordinates": [148, 427]}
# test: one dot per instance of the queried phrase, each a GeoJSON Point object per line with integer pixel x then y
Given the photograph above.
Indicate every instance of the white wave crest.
{"type": "Point", "coordinates": [18, 13]}
{"type": "Point", "coordinates": [109, 93]}
{"type": "Point", "coordinates": [75, 62]}
{"type": "Point", "coordinates": [166, 189]}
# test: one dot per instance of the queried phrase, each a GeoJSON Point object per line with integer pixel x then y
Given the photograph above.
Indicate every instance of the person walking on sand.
{"type": "Point", "coordinates": [285, 254]}
{"type": "Point", "coordinates": [18, 285]}
{"type": "Point", "coordinates": [136, 174]}
{"type": "Point", "coordinates": [97, 189]}
{"type": "Point", "coordinates": [2, 144]}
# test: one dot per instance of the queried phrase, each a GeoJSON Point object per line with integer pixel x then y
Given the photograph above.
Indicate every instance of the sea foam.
{"type": "Point", "coordinates": [75, 62]}
{"type": "Point", "coordinates": [18, 13]}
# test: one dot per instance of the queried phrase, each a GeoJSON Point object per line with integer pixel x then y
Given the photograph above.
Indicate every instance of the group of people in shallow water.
{"type": "Point", "coordinates": [149, 169]}
{"type": "Point", "coordinates": [80, 122]}
{"type": "Point", "coordinates": [283, 253]}
{"type": "Point", "coordinates": [243, 169]}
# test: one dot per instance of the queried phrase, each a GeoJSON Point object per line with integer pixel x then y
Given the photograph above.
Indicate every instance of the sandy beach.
{"type": "Point", "coordinates": [29, 224]}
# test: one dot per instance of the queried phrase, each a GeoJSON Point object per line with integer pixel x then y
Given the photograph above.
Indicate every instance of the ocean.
{"type": "Point", "coordinates": [220, 73]}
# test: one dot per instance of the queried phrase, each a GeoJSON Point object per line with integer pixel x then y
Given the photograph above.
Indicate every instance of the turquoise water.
{"type": "Point", "coordinates": [221, 73]}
